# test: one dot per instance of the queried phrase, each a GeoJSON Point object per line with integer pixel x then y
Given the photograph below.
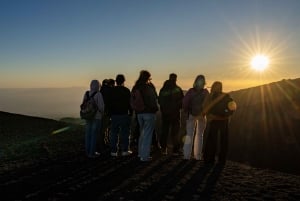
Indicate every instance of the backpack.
{"type": "Point", "coordinates": [137, 101]}
{"type": "Point", "coordinates": [88, 108]}
{"type": "Point", "coordinates": [224, 106]}
{"type": "Point", "coordinates": [196, 104]}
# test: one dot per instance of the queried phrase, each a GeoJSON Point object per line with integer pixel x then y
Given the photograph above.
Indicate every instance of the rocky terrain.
{"type": "Point", "coordinates": [43, 159]}
{"type": "Point", "coordinates": [62, 172]}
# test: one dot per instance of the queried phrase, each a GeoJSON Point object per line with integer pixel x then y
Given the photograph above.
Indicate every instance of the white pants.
{"type": "Point", "coordinates": [195, 126]}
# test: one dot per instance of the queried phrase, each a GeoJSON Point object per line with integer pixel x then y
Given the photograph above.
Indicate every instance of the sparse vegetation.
{"type": "Point", "coordinates": [26, 140]}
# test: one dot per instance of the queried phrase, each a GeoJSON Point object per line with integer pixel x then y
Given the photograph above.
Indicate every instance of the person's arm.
{"type": "Point", "coordinates": [186, 101]}
{"type": "Point", "coordinates": [100, 102]}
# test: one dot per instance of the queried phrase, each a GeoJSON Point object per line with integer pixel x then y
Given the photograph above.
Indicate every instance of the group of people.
{"type": "Point", "coordinates": [198, 108]}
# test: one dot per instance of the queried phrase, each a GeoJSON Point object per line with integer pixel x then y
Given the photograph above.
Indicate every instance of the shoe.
{"type": "Point", "coordinates": [114, 154]}
{"type": "Point", "coordinates": [198, 157]}
{"type": "Point", "coordinates": [146, 159]}
{"type": "Point", "coordinates": [165, 153]}
{"type": "Point", "coordinates": [97, 154]}
{"type": "Point", "coordinates": [126, 153]}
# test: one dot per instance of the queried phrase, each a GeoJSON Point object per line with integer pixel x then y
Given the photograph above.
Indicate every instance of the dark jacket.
{"type": "Point", "coordinates": [119, 101]}
{"type": "Point", "coordinates": [106, 93]}
{"type": "Point", "coordinates": [170, 98]}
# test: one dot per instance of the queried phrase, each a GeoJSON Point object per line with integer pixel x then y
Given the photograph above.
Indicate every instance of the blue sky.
{"type": "Point", "coordinates": [65, 43]}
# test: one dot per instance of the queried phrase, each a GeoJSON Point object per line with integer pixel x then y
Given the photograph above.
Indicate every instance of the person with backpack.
{"type": "Point", "coordinates": [170, 101]}
{"type": "Point", "coordinates": [144, 103]}
{"type": "Point", "coordinates": [218, 107]}
{"type": "Point", "coordinates": [121, 113]}
{"type": "Point", "coordinates": [195, 120]}
{"type": "Point", "coordinates": [93, 123]}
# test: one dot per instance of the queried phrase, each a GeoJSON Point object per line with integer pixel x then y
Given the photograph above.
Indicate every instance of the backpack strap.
{"type": "Point", "coordinates": [92, 96]}
{"type": "Point", "coordinates": [87, 94]}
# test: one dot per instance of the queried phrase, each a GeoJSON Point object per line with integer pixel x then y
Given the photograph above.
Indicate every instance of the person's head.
{"type": "Point", "coordinates": [105, 82]}
{"type": "Point", "coordinates": [111, 82]}
{"type": "Point", "coordinates": [95, 85]}
{"type": "Point", "coordinates": [216, 87]}
{"type": "Point", "coordinates": [199, 82]}
{"type": "Point", "coordinates": [120, 79]}
{"type": "Point", "coordinates": [144, 77]}
{"type": "Point", "coordinates": [173, 78]}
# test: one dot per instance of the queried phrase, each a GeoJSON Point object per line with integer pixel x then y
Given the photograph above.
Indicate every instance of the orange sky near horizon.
{"type": "Point", "coordinates": [49, 44]}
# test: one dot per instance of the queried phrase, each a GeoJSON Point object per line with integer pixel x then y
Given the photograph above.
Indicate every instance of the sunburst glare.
{"type": "Point", "coordinates": [259, 57]}
{"type": "Point", "coordinates": [260, 62]}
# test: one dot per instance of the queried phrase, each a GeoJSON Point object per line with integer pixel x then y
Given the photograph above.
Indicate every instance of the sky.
{"type": "Point", "coordinates": [67, 43]}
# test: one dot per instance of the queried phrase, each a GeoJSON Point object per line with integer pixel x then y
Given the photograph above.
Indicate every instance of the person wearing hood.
{"type": "Point", "coordinates": [170, 101]}
{"type": "Point", "coordinates": [93, 126]}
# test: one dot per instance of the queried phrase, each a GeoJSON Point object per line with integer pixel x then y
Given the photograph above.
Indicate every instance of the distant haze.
{"type": "Point", "coordinates": [52, 103]}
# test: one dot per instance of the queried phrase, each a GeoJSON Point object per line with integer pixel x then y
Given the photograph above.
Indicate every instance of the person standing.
{"type": "Point", "coordinates": [145, 91]}
{"type": "Point", "coordinates": [218, 106]}
{"type": "Point", "coordinates": [196, 121]}
{"type": "Point", "coordinates": [170, 101]}
{"type": "Point", "coordinates": [93, 126]}
{"type": "Point", "coordinates": [107, 86]}
{"type": "Point", "coordinates": [121, 113]}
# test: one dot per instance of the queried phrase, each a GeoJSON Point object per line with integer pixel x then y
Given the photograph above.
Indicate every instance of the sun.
{"type": "Point", "coordinates": [260, 62]}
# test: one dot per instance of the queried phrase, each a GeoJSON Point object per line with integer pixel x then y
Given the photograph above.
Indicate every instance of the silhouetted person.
{"type": "Point", "coordinates": [121, 112]}
{"type": "Point", "coordinates": [147, 115]}
{"type": "Point", "coordinates": [196, 121]}
{"type": "Point", "coordinates": [219, 107]}
{"type": "Point", "coordinates": [93, 126]}
{"type": "Point", "coordinates": [170, 101]}
{"type": "Point", "coordinates": [105, 90]}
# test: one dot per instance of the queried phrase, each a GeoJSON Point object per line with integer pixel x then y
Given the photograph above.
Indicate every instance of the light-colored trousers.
{"type": "Point", "coordinates": [195, 126]}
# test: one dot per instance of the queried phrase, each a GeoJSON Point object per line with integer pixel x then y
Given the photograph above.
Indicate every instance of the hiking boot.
{"type": "Point", "coordinates": [126, 153]}
{"type": "Point", "coordinates": [114, 154]}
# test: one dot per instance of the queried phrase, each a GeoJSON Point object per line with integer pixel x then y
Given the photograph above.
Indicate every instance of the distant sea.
{"type": "Point", "coordinates": [53, 103]}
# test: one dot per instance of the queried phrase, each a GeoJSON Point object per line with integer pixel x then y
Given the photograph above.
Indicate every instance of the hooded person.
{"type": "Point", "coordinates": [92, 127]}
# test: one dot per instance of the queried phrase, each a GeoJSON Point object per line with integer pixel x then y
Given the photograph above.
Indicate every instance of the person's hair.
{"type": "Point", "coordinates": [199, 82]}
{"type": "Point", "coordinates": [120, 79]}
{"type": "Point", "coordinates": [144, 77]}
{"type": "Point", "coordinates": [111, 82]}
{"type": "Point", "coordinates": [105, 82]}
{"type": "Point", "coordinates": [216, 87]}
